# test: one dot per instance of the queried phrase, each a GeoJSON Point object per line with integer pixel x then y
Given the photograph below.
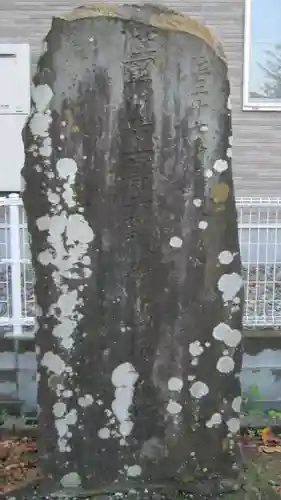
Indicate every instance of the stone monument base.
{"type": "Point", "coordinates": [256, 486]}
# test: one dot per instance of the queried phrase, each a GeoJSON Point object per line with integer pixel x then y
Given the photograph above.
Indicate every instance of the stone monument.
{"type": "Point", "coordinates": [130, 207]}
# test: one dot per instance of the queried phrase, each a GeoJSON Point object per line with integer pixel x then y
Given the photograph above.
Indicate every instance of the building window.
{"type": "Point", "coordinates": [262, 55]}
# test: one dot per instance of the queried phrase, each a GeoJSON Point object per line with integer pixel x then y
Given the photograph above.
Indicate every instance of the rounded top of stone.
{"type": "Point", "coordinates": [164, 18]}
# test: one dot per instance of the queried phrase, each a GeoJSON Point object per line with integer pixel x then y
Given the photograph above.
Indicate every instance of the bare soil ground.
{"type": "Point", "coordinates": [265, 455]}
{"type": "Point", "coordinates": [19, 457]}
{"type": "Point", "coordinates": [18, 463]}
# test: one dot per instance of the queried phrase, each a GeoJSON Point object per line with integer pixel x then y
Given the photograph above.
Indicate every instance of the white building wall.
{"type": "Point", "coordinates": [11, 152]}
{"type": "Point", "coordinates": [14, 108]}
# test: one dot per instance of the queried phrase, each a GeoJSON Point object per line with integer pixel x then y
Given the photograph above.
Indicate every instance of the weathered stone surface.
{"type": "Point", "coordinates": [130, 207]}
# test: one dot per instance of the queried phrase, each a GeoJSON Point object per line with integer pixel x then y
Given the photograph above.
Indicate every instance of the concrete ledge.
{"type": "Point", "coordinates": [262, 333]}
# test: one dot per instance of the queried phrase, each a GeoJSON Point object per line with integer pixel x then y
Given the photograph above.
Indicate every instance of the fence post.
{"type": "Point", "coordinates": [15, 264]}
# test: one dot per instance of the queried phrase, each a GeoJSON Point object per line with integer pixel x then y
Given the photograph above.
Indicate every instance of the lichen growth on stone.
{"type": "Point", "coordinates": [163, 18]}
{"type": "Point", "coordinates": [141, 269]}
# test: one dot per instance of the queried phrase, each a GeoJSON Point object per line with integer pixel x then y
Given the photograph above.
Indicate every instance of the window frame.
{"type": "Point", "coordinates": [250, 104]}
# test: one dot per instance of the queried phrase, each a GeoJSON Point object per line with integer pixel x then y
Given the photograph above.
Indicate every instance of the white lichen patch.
{"type": "Point", "coordinates": [41, 96]}
{"type": "Point", "coordinates": [126, 428]}
{"type": "Point", "coordinates": [43, 223]}
{"type": "Point", "coordinates": [197, 202]}
{"type": "Point", "coordinates": [204, 128]}
{"type": "Point", "coordinates": [67, 169]}
{"type": "Point", "coordinates": [134, 471]}
{"type": "Point", "coordinates": [85, 401]}
{"type": "Point", "coordinates": [59, 409]}
{"type": "Point", "coordinates": [39, 126]}
{"type": "Point", "coordinates": [62, 426]}
{"type": "Point", "coordinates": [175, 384]}
{"type": "Point", "coordinates": [53, 198]}
{"type": "Point", "coordinates": [236, 404]}
{"type": "Point", "coordinates": [229, 152]}
{"type": "Point", "coordinates": [199, 389]}
{"type": "Point", "coordinates": [41, 120]}
{"type": "Point", "coordinates": [194, 362]}
{"type": "Point", "coordinates": [225, 364]}
{"type": "Point", "coordinates": [173, 407]}
{"type": "Point", "coordinates": [124, 378]}
{"type": "Point", "coordinates": [195, 348]}
{"type": "Point", "coordinates": [71, 417]}
{"type": "Point", "coordinates": [208, 173]}
{"type": "Point", "coordinates": [233, 425]}
{"type": "Point", "coordinates": [53, 363]}
{"type": "Point", "coordinates": [176, 242]}
{"type": "Point", "coordinates": [225, 257]}
{"type": "Point", "coordinates": [68, 239]}
{"type": "Point", "coordinates": [203, 225]}
{"type": "Point", "coordinates": [226, 334]}
{"type": "Point", "coordinates": [220, 166]}
{"type": "Point", "coordinates": [67, 393]}
{"type": "Point", "coordinates": [71, 480]}
{"type": "Point", "coordinates": [63, 330]}
{"type": "Point", "coordinates": [45, 149]}
{"type": "Point", "coordinates": [229, 285]}
{"type": "Point", "coordinates": [104, 433]}
{"type": "Point", "coordinates": [214, 421]}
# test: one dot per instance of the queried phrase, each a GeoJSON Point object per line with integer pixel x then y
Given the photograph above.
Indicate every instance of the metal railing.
{"type": "Point", "coordinates": [17, 307]}
{"type": "Point", "coordinates": [260, 244]}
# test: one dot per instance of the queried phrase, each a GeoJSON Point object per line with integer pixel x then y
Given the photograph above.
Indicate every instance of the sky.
{"type": "Point", "coordinates": [265, 34]}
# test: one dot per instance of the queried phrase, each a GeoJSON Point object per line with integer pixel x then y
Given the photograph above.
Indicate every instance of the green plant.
{"type": "Point", "coordinates": [250, 399]}
{"type": "Point", "coordinates": [4, 415]}
{"type": "Point", "coordinates": [274, 414]}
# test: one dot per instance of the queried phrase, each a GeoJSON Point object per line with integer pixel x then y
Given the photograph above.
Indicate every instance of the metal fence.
{"type": "Point", "coordinates": [16, 275]}
{"type": "Point", "coordinates": [260, 243]}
